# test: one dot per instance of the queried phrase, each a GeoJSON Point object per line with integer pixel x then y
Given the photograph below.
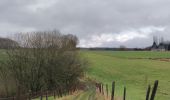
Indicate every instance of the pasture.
{"type": "Point", "coordinates": [135, 74]}
{"type": "Point", "coordinates": [126, 69]}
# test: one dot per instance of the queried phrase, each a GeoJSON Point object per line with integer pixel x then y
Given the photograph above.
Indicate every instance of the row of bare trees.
{"type": "Point", "coordinates": [42, 61]}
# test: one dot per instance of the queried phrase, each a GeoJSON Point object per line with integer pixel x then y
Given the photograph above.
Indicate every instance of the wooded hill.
{"type": "Point", "coordinates": [6, 43]}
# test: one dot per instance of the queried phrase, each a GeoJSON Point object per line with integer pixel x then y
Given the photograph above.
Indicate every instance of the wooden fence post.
{"type": "Point", "coordinates": [124, 94]}
{"type": "Point", "coordinates": [100, 85]}
{"type": "Point", "coordinates": [107, 90]}
{"type": "Point", "coordinates": [148, 92]}
{"type": "Point", "coordinates": [154, 90]}
{"type": "Point", "coordinates": [60, 92]}
{"type": "Point", "coordinates": [113, 90]}
{"type": "Point", "coordinates": [102, 90]}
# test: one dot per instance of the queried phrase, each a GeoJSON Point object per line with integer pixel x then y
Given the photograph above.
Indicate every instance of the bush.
{"type": "Point", "coordinates": [45, 61]}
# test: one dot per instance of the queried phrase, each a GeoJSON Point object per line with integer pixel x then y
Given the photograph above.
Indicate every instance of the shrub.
{"type": "Point", "coordinates": [45, 61]}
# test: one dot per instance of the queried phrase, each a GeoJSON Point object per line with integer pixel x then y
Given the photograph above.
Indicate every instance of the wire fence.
{"type": "Point", "coordinates": [150, 94]}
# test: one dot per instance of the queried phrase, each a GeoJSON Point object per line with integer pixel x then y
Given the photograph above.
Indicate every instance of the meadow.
{"type": "Point", "coordinates": [135, 74]}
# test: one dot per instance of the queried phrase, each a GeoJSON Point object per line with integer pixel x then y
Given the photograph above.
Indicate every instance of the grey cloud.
{"type": "Point", "coordinates": [86, 17]}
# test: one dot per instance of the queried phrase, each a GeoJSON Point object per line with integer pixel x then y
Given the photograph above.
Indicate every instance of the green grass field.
{"type": "Point", "coordinates": [134, 54]}
{"type": "Point", "coordinates": [135, 74]}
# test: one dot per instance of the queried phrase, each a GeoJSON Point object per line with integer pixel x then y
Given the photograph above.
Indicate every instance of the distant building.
{"type": "Point", "coordinates": [161, 46]}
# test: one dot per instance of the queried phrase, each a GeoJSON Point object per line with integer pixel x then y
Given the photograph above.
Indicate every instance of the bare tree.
{"type": "Point", "coordinates": [4, 78]}
{"type": "Point", "coordinates": [44, 61]}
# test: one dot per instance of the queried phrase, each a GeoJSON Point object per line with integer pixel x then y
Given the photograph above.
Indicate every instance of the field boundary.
{"type": "Point", "coordinates": [150, 93]}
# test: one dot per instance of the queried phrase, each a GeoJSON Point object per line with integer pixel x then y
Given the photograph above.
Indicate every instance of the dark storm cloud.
{"type": "Point", "coordinates": [95, 22]}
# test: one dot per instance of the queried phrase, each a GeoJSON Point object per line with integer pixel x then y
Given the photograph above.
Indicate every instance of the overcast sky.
{"type": "Point", "coordinates": [97, 23]}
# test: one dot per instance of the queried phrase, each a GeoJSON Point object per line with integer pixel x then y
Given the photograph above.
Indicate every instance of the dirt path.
{"type": "Point", "coordinates": [88, 94]}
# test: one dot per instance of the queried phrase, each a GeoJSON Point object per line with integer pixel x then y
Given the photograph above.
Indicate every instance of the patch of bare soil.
{"type": "Point", "coordinates": [159, 59]}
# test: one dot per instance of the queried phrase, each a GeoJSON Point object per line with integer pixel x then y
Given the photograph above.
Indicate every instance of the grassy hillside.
{"type": "Point", "coordinates": [135, 74]}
